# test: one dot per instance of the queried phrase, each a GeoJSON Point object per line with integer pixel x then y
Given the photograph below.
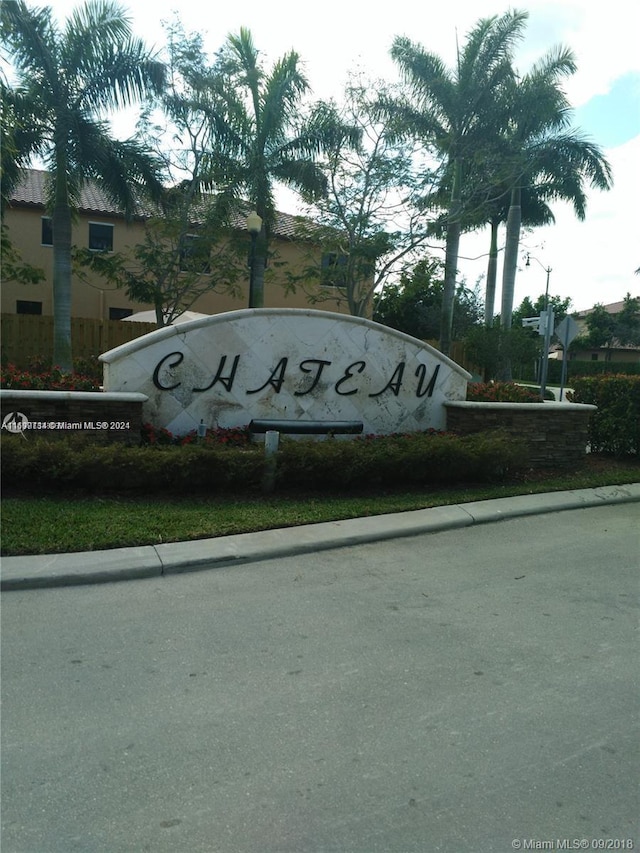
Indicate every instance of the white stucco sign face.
{"type": "Point", "coordinates": [289, 364]}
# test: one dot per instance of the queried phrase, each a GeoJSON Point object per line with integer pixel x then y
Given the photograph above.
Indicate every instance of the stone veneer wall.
{"type": "Point", "coordinates": [556, 434]}
{"type": "Point", "coordinates": [107, 418]}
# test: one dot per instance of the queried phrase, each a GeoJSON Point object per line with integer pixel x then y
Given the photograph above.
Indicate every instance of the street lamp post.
{"type": "Point", "coordinates": [254, 226]}
{"type": "Point", "coordinates": [544, 366]}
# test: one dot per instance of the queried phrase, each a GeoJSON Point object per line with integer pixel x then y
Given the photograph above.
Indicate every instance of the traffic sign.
{"type": "Point", "coordinates": [567, 330]}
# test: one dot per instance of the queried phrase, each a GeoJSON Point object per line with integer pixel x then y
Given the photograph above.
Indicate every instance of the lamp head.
{"type": "Point", "coordinates": [254, 223]}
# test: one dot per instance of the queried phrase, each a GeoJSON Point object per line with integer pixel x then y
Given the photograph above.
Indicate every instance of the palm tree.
{"type": "Point", "coordinates": [66, 79]}
{"type": "Point", "coordinates": [535, 212]}
{"type": "Point", "coordinates": [453, 112]}
{"type": "Point", "coordinates": [487, 203]}
{"type": "Point", "coordinates": [547, 156]}
{"type": "Point", "coordinates": [260, 140]}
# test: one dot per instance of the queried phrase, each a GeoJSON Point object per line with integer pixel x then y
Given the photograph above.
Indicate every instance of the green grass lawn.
{"type": "Point", "coordinates": [62, 523]}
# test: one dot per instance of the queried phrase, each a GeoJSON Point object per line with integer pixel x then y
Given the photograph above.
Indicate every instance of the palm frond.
{"type": "Point", "coordinates": [302, 175]}
{"type": "Point", "coordinates": [432, 85]}
{"type": "Point", "coordinates": [489, 46]}
{"type": "Point", "coordinates": [280, 97]}
{"type": "Point", "coordinates": [31, 39]}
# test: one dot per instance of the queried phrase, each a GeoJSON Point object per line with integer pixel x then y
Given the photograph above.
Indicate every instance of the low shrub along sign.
{"type": "Point", "coordinates": [290, 364]}
{"type": "Point", "coordinates": [372, 462]}
{"type": "Point", "coordinates": [615, 426]}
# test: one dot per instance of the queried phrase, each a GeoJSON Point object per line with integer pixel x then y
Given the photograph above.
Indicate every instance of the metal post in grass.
{"type": "Point", "coordinates": [271, 443]}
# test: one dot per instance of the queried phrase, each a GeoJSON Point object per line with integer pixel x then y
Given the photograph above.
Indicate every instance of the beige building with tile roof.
{"type": "Point", "coordinates": [99, 226]}
{"type": "Point", "coordinates": [620, 353]}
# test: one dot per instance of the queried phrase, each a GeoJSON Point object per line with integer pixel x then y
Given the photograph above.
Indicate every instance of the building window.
{"type": "Point", "coordinates": [195, 255]}
{"type": "Point", "coordinates": [333, 269]}
{"type": "Point", "coordinates": [100, 237]}
{"type": "Point", "coordinates": [24, 306]}
{"type": "Point", "coordinates": [119, 313]}
{"type": "Point", "coordinates": [594, 356]}
{"type": "Point", "coordinates": [47, 231]}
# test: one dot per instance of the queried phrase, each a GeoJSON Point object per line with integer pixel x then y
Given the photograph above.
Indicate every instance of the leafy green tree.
{"type": "Point", "coordinates": [189, 248]}
{"type": "Point", "coordinates": [601, 328]}
{"type": "Point", "coordinates": [454, 113]}
{"type": "Point", "coordinates": [370, 221]}
{"type": "Point", "coordinates": [66, 80]}
{"type": "Point", "coordinates": [16, 142]}
{"type": "Point", "coordinates": [173, 266]}
{"type": "Point", "coordinates": [494, 346]}
{"type": "Point", "coordinates": [628, 321]}
{"type": "Point", "coordinates": [260, 139]}
{"type": "Point", "coordinates": [490, 347]}
{"type": "Point", "coordinates": [558, 304]}
{"type": "Point", "coordinates": [604, 329]}
{"type": "Point", "coordinates": [414, 305]}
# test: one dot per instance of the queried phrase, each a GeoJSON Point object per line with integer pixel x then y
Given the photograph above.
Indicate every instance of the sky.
{"type": "Point", "coordinates": [590, 261]}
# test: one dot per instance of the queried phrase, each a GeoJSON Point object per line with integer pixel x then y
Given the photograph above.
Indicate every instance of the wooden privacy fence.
{"type": "Point", "coordinates": [458, 354]}
{"type": "Point", "coordinates": [25, 337]}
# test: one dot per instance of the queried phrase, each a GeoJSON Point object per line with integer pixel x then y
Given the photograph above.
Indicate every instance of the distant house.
{"type": "Point", "coordinates": [615, 353]}
{"type": "Point", "coordinates": [100, 226]}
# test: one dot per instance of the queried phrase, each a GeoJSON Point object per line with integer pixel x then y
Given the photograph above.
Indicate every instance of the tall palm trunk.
{"type": "Point", "coordinates": [61, 222]}
{"type": "Point", "coordinates": [451, 260]}
{"type": "Point", "coordinates": [492, 275]}
{"type": "Point", "coordinates": [258, 264]}
{"type": "Point", "coordinates": [512, 244]}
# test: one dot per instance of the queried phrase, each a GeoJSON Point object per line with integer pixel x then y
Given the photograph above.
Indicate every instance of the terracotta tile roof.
{"type": "Point", "coordinates": [611, 308]}
{"type": "Point", "coordinates": [32, 190]}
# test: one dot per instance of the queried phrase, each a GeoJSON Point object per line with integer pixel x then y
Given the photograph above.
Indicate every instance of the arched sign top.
{"type": "Point", "coordinates": [286, 363]}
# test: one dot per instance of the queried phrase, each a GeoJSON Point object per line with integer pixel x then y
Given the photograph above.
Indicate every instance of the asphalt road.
{"type": "Point", "coordinates": [471, 690]}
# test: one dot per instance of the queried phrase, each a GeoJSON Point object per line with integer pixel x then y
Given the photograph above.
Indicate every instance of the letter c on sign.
{"type": "Point", "coordinates": [156, 372]}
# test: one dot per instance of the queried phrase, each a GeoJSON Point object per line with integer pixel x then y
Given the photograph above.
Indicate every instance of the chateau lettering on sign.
{"type": "Point", "coordinates": [167, 370]}
{"type": "Point", "coordinates": [288, 364]}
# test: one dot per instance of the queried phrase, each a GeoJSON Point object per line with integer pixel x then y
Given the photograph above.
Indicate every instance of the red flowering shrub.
{"type": "Point", "coordinates": [229, 437]}
{"type": "Point", "coordinates": [45, 379]}
{"type": "Point", "coordinates": [500, 392]}
{"type": "Point", "coordinates": [156, 436]}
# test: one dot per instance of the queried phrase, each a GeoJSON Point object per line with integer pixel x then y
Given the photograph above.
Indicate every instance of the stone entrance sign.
{"type": "Point", "coordinates": [288, 363]}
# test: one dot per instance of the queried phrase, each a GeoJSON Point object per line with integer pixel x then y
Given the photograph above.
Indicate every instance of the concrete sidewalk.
{"type": "Point", "coordinates": [33, 572]}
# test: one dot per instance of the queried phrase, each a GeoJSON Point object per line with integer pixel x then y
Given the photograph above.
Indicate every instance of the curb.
{"type": "Point", "coordinates": [119, 564]}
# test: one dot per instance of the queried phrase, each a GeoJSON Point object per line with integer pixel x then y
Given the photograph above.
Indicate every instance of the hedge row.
{"type": "Point", "coordinates": [416, 460]}
{"type": "Point", "coordinates": [411, 460]}
{"type": "Point", "coordinates": [615, 427]}
{"type": "Point", "coordinates": [577, 369]}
